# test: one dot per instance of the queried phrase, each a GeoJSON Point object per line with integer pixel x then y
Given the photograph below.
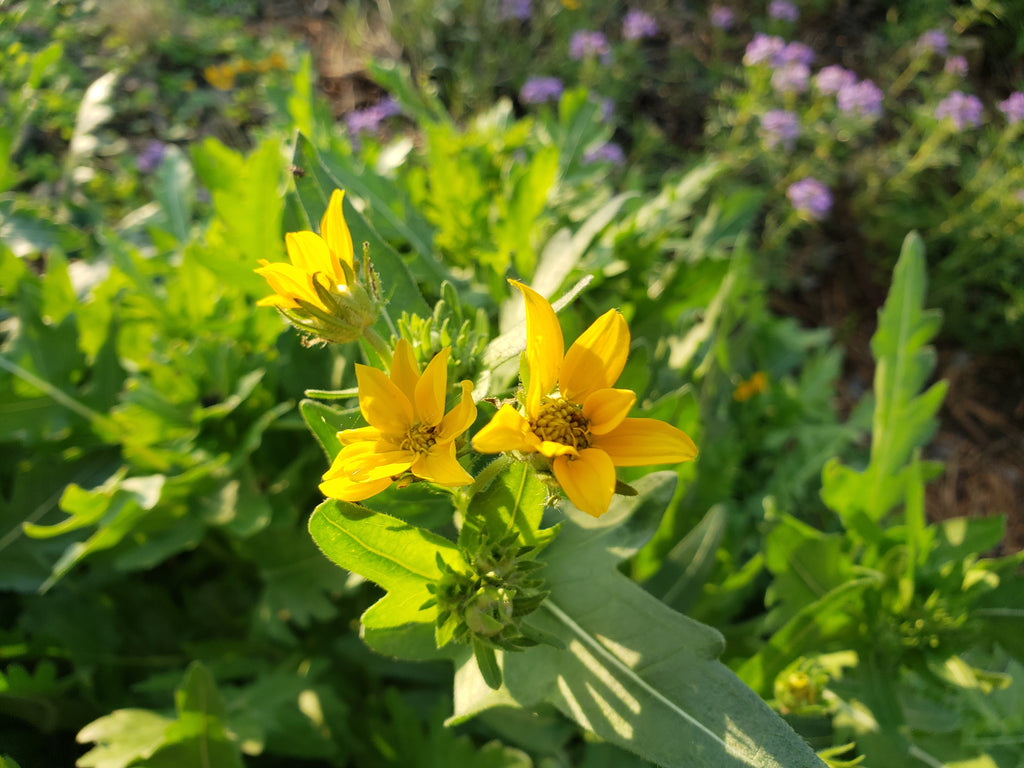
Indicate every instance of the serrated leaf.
{"type": "Point", "coordinates": [634, 672]}
{"type": "Point", "coordinates": [124, 736]}
{"type": "Point", "coordinates": [904, 420]}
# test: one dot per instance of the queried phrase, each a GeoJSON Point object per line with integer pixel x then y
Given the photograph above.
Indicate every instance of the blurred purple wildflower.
{"type": "Point", "coordinates": [763, 49]}
{"type": "Point", "coordinates": [780, 126]}
{"type": "Point", "coordinates": [933, 41]}
{"type": "Point", "coordinates": [636, 25]}
{"type": "Point", "coordinates": [962, 108]}
{"type": "Point", "coordinates": [609, 152]}
{"type": "Point", "coordinates": [833, 78]}
{"type": "Point", "coordinates": [519, 10]}
{"type": "Point", "coordinates": [585, 43]}
{"type": "Point", "coordinates": [795, 52]}
{"type": "Point", "coordinates": [606, 105]}
{"type": "Point", "coordinates": [151, 156]}
{"type": "Point", "coordinates": [955, 65]}
{"type": "Point", "coordinates": [1013, 107]}
{"type": "Point", "coordinates": [368, 120]}
{"type": "Point", "coordinates": [783, 10]}
{"type": "Point", "coordinates": [810, 197]}
{"type": "Point", "coordinates": [722, 17]}
{"type": "Point", "coordinates": [537, 90]}
{"type": "Point", "coordinates": [791, 78]}
{"type": "Point", "coordinates": [863, 98]}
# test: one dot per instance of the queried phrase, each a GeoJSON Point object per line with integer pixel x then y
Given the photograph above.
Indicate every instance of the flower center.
{"type": "Point", "coordinates": [562, 422]}
{"type": "Point", "coordinates": [420, 439]}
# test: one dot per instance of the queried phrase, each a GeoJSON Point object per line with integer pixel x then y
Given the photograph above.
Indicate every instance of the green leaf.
{"type": "Point", "coordinates": [397, 556]}
{"type": "Point", "coordinates": [124, 736]}
{"type": "Point", "coordinates": [197, 738]}
{"type": "Point", "coordinates": [93, 112]}
{"type": "Point", "coordinates": [325, 422]}
{"type": "Point", "coordinates": [315, 186]}
{"type": "Point", "coordinates": [633, 671]}
{"type": "Point", "coordinates": [904, 420]}
{"type": "Point", "coordinates": [687, 565]}
{"type": "Point", "coordinates": [508, 495]}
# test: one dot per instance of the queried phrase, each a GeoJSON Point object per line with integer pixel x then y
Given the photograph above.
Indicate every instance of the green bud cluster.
{"type": "Point", "coordinates": [351, 308]}
{"type": "Point", "coordinates": [485, 598]}
{"type": "Point", "coordinates": [453, 325]}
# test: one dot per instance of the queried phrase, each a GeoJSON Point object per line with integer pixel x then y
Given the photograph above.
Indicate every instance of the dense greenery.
{"type": "Point", "coordinates": [169, 596]}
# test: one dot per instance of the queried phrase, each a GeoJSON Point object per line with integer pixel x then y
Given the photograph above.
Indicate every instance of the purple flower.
{"type": "Point", "coordinates": [863, 98]}
{"type": "Point", "coordinates": [368, 120]}
{"type": "Point", "coordinates": [637, 25]}
{"type": "Point", "coordinates": [955, 65]}
{"type": "Point", "coordinates": [537, 90]}
{"type": "Point", "coordinates": [779, 126]}
{"type": "Point", "coordinates": [833, 78]}
{"type": "Point", "coordinates": [1013, 107]}
{"type": "Point", "coordinates": [151, 156]}
{"type": "Point", "coordinates": [763, 49]}
{"type": "Point", "coordinates": [963, 109]}
{"type": "Point", "coordinates": [932, 41]}
{"type": "Point", "coordinates": [722, 17]}
{"type": "Point", "coordinates": [795, 52]}
{"type": "Point", "coordinates": [585, 43]}
{"type": "Point", "coordinates": [606, 106]}
{"type": "Point", "coordinates": [783, 10]}
{"type": "Point", "coordinates": [610, 152]}
{"type": "Point", "coordinates": [810, 197]}
{"type": "Point", "coordinates": [519, 10]}
{"type": "Point", "coordinates": [791, 78]}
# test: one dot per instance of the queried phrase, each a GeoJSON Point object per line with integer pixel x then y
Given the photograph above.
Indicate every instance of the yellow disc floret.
{"type": "Point", "coordinates": [560, 421]}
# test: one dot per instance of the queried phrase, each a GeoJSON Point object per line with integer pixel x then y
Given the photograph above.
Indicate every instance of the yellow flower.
{"type": "Point", "coordinates": [409, 430]}
{"type": "Point", "coordinates": [755, 385]}
{"type": "Point", "coordinates": [318, 291]}
{"type": "Point", "coordinates": [573, 414]}
{"type": "Point", "coordinates": [220, 76]}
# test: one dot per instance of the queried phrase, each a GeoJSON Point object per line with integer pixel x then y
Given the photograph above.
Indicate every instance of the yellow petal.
{"type": "Point", "coordinates": [310, 253]}
{"type": "Point", "coordinates": [404, 370]}
{"type": "Point", "coordinates": [431, 390]}
{"type": "Point", "coordinates": [344, 489]}
{"type": "Point", "coordinates": [638, 442]}
{"type": "Point", "coordinates": [459, 418]}
{"type": "Point", "coordinates": [369, 467]}
{"type": "Point", "coordinates": [552, 449]}
{"type": "Point", "coordinates": [440, 466]}
{"type": "Point", "coordinates": [290, 283]}
{"type": "Point", "coordinates": [545, 346]}
{"type": "Point", "coordinates": [597, 357]}
{"type": "Point", "coordinates": [335, 231]}
{"type": "Point", "coordinates": [360, 435]}
{"type": "Point", "coordinates": [506, 431]}
{"type": "Point", "coordinates": [382, 403]}
{"type": "Point", "coordinates": [606, 408]}
{"type": "Point", "coordinates": [341, 466]}
{"type": "Point", "coordinates": [588, 481]}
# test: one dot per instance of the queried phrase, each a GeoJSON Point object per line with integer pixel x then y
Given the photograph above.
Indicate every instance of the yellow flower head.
{"type": "Point", "coordinates": [409, 430]}
{"type": "Point", "coordinates": [318, 291]}
{"type": "Point", "coordinates": [573, 414]}
{"type": "Point", "coordinates": [221, 76]}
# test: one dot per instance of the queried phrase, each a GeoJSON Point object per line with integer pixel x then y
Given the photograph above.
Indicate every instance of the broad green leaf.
{"type": "Point", "coordinates": [325, 422]}
{"type": "Point", "coordinates": [314, 186]}
{"type": "Point", "coordinates": [174, 188]}
{"type": "Point", "coordinates": [395, 555]}
{"type": "Point", "coordinates": [123, 737]}
{"type": "Point", "coordinates": [508, 495]}
{"type": "Point", "coordinates": [904, 420]}
{"type": "Point", "coordinates": [685, 568]}
{"type": "Point", "coordinates": [633, 671]}
{"type": "Point", "coordinates": [196, 738]}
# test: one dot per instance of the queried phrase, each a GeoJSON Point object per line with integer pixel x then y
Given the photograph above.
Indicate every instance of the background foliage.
{"type": "Point", "coordinates": [163, 600]}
